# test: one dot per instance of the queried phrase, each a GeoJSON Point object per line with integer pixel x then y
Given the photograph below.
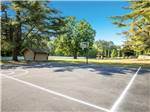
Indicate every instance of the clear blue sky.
{"type": "Point", "coordinates": [97, 13]}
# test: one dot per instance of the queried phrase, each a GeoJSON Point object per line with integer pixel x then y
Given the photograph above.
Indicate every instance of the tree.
{"type": "Point", "coordinates": [114, 53]}
{"type": "Point", "coordinates": [92, 53]}
{"type": "Point", "coordinates": [6, 31]}
{"type": "Point", "coordinates": [104, 48]}
{"type": "Point", "coordinates": [127, 51]}
{"type": "Point", "coordinates": [75, 33]}
{"type": "Point", "coordinates": [31, 23]}
{"type": "Point", "coordinates": [138, 22]}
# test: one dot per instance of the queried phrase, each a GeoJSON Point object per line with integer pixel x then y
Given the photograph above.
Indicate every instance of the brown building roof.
{"type": "Point", "coordinates": [37, 50]}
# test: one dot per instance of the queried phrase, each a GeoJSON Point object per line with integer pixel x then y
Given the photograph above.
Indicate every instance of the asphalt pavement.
{"type": "Point", "coordinates": [59, 87]}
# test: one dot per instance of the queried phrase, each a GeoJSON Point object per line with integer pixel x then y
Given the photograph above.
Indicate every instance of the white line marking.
{"type": "Point", "coordinates": [9, 72]}
{"type": "Point", "coordinates": [57, 94]}
{"type": "Point", "coordinates": [21, 74]}
{"type": "Point", "coordinates": [124, 92]}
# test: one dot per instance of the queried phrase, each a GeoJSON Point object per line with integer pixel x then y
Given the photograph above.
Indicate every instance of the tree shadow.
{"type": "Point", "coordinates": [102, 69]}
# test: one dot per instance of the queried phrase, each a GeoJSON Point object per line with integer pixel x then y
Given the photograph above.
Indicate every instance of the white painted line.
{"type": "Point", "coordinates": [21, 74]}
{"type": "Point", "coordinates": [9, 73]}
{"type": "Point", "coordinates": [57, 94]}
{"type": "Point", "coordinates": [12, 72]}
{"type": "Point", "coordinates": [115, 105]}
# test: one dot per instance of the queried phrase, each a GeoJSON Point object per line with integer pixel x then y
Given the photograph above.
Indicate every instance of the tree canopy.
{"type": "Point", "coordinates": [138, 25]}
{"type": "Point", "coordinates": [76, 32]}
{"type": "Point", "coordinates": [35, 24]}
{"type": "Point", "coordinates": [28, 23]}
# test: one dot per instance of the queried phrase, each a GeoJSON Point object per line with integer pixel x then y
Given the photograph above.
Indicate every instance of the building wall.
{"type": "Point", "coordinates": [29, 55]}
{"type": "Point", "coordinates": [41, 57]}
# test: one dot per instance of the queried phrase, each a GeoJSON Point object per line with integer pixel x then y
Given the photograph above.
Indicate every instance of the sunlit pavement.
{"type": "Point", "coordinates": [58, 87]}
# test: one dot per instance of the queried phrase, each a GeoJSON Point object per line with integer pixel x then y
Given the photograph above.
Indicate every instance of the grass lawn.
{"type": "Point", "coordinates": [125, 62]}
{"type": "Point", "coordinates": [114, 62]}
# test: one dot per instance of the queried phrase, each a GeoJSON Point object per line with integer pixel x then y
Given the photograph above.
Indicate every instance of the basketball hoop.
{"type": "Point", "coordinates": [84, 45]}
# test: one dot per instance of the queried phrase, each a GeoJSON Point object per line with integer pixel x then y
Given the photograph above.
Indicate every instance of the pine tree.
{"type": "Point", "coordinates": [138, 21]}
{"type": "Point", "coordinates": [31, 23]}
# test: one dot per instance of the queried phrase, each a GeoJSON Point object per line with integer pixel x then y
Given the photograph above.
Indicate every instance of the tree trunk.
{"type": "Point", "coordinates": [16, 47]}
{"type": "Point", "coordinates": [75, 55]}
{"type": "Point", "coordinates": [15, 54]}
{"type": "Point", "coordinates": [17, 38]}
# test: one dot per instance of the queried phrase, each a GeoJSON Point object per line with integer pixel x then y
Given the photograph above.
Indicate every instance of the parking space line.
{"type": "Point", "coordinates": [56, 93]}
{"type": "Point", "coordinates": [115, 105]}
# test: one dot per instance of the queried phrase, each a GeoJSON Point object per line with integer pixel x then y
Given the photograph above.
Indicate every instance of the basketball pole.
{"type": "Point", "coordinates": [87, 55]}
{"type": "Point", "coordinates": [85, 48]}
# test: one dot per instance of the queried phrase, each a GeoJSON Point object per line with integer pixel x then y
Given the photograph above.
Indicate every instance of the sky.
{"type": "Point", "coordinates": [98, 14]}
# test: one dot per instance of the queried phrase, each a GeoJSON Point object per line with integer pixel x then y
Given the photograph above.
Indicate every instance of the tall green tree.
{"type": "Point", "coordinates": [138, 23]}
{"type": "Point", "coordinates": [31, 23]}
{"type": "Point", "coordinates": [104, 48]}
{"type": "Point", "coordinates": [76, 32]}
{"type": "Point", "coordinates": [6, 30]}
{"type": "Point", "coordinates": [114, 53]}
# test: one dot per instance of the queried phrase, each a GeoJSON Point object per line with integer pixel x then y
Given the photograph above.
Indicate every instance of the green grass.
{"type": "Point", "coordinates": [114, 62]}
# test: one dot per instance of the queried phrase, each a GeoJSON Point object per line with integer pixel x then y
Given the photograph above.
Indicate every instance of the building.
{"type": "Point", "coordinates": [31, 54]}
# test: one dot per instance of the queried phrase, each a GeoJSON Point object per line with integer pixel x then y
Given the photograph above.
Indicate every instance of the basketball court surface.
{"type": "Point", "coordinates": [59, 87]}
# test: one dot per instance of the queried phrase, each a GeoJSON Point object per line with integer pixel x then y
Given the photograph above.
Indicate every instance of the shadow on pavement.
{"type": "Point", "coordinates": [107, 70]}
